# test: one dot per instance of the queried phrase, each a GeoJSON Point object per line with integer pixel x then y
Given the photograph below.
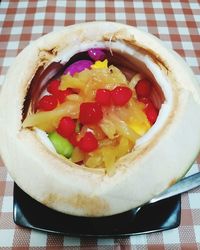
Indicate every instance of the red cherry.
{"type": "Point", "coordinates": [90, 113]}
{"type": "Point", "coordinates": [143, 88]}
{"type": "Point", "coordinates": [62, 94]}
{"type": "Point", "coordinates": [121, 95]}
{"type": "Point", "coordinates": [66, 127]}
{"type": "Point", "coordinates": [47, 103]}
{"type": "Point", "coordinates": [151, 113]}
{"type": "Point", "coordinates": [88, 143]}
{"type": "Point", "coordinates": [73, 139]}
{"type": "Point", "coordinates": [103, 96]}
{"type": "Point", "coordinates": [53, 87]}
{"type": "Point", "coordinates": [150, 110]}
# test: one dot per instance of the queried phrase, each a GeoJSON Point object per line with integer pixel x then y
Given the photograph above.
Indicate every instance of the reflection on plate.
{"type": "Point", "coordinates": [150, 218]}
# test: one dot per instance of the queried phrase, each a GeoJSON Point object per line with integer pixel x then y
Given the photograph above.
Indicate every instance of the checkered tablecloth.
{"type": "Point", "coordinates": [177, 23]}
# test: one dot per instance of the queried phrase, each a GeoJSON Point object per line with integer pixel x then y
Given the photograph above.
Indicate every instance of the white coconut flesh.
{"type": "Point", "coordinates": [159, 158]}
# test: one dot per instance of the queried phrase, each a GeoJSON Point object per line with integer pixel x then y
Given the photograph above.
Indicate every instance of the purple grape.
{"type": "Point", "coordinates": [96, 54]}
{"type": "Point", "coordinates": [78, 67]}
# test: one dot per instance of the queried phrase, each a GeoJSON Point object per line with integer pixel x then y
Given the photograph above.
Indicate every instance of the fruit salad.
{"type": "Point", "coordinates": [92, 113]}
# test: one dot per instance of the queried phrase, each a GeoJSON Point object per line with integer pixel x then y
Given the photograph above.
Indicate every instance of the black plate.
{"type": "Point", "coordinates": [149, 218]}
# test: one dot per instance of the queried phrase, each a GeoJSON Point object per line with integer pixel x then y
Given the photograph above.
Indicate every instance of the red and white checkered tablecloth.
{"type": "Point", "coordinates": [177, 23]}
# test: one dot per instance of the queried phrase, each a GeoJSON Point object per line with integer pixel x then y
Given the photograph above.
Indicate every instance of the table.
{"type": "Point", "coordinates": [177, 23]}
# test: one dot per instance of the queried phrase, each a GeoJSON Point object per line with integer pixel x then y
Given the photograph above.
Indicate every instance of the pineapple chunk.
{"type": "Point", "coordinates": [68, 81]}
{"type": "Point", "coordinates": [123, 129]}
{"type": "Point", "coordinates": [138, 121]}
{"type": "Point", "coordinates": [109, 158]}
{"type": "Point", "coordinates": [139, 126]}
{"type": "Point", "coordinates": [77, 155]}
{"type": "Point", "coordinates": [94, 160]}
{"type": "Point", "coordinates": [108, 153]}
{"type": "Point", "coordinates": [124, 147]}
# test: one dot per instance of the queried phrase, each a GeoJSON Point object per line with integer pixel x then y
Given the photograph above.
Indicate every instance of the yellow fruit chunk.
{"type": "Point", "coordinates": [122, 128]}
{"type": "Point", "coordinates": [110, 77]}
{"type": "Point", "coordinates": [88, 81]}
{"type": "Point", "coordinates": [77, 155]}
{"type": "Point", "coordinates": [108, 153]}
{"type": "Point", "coordinates": [137, 120]}
{"type": "Point", "coordinates": [94, 160]}
{"type": "Point", "coordinates": [124, 147]}
{"type": "Point", "coordinates": [109, 158]}
{"type": "Point", "coordinates": [139, 126]}
{"type": "Point", "coordinates": [48, 121]}
{"type": "Point", "coordinates": [100, 64]}
{"type": "Point", "coordinates": [68, 81]}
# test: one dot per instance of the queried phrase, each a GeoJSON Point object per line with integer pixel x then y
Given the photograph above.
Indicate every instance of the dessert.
{"type": "Point", "coordinates": [101, 117]}
{"type": "Point", "coordinates": [105, 113]}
